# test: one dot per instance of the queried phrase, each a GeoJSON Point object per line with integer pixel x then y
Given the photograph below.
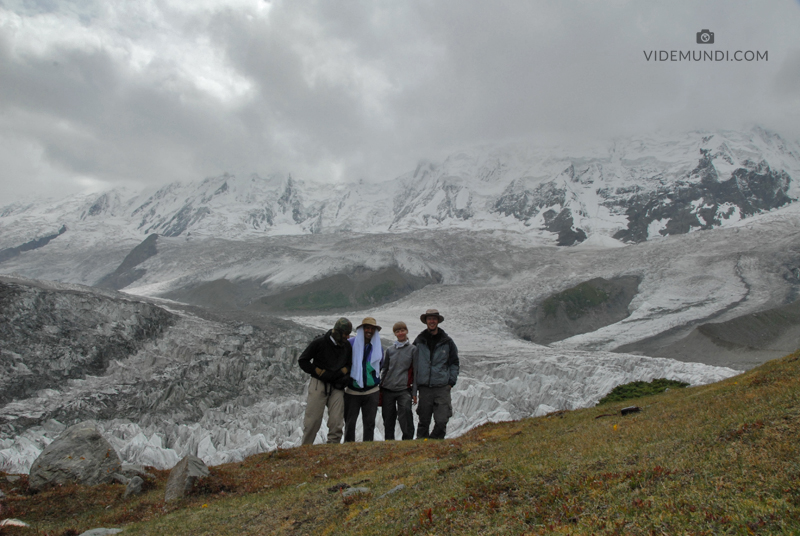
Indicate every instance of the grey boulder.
{"type": "Point", "coordinates": [79, 455]}
{"type": "Point", "coordinates": [133, 487]}
{"type": "Point", "coordinates": [183, 476]}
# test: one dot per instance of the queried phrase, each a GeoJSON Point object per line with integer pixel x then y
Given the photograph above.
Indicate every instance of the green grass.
{"type": "Point", "coordinates": [716, 459]}
{"type": "Point", "coordinates": [632, 390]}
{"type": "Point", "coordinates": [576, 300]}
{"type": "Point", "coordinates": [318, 300]}
{"type": "Point", "coordinates": [378, 294]}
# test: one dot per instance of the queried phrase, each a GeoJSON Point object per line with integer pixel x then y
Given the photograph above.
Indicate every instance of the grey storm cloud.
{"type": "Point", "coordinates": [99, 94]}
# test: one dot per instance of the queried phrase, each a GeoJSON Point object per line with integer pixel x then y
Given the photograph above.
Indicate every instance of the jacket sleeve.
{"type": "Point", "coordinates": [414, 365]}
{"type": "Point", "coordinates": [453, 364]}
{"type": "Point", "coordinates": [384, 365]}
{"type": "Point", "coordinates": [306, 359]}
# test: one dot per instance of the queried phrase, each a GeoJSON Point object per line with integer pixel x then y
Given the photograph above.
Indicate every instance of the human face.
{"type": "Point", "coordinates": [401, 334]}
{"type": "Point", "coordinates": [433, 323]}
{"type": "Point", "coordinates": [340, 337]}
{"type": "Point", "coordinates": [369, 331]}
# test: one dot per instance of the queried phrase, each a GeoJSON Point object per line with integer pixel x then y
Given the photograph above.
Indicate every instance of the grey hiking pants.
{"type": "Point", "coordinates": [433, 402]}
{"type": "Point", "coordinates": [320, 396]}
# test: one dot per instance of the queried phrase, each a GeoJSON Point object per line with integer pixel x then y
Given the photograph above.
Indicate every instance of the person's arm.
{"type": "Point", "coordinates": [385, 365]}
{"type": "Point", "coordinates": [306, 359]}
{"type": "Point", "coordinates": [414, 365]}
{"type": "Point", "coordinates": [454, 364]}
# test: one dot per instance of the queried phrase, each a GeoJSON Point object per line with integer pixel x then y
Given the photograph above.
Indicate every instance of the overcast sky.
{"type": "Point", "coordinates": [95, 94]}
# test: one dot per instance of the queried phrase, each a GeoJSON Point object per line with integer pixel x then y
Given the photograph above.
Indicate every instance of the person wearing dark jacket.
{"type": "Point", "coordinates": [327, 359]}
{"type": "Point", "coordinates": [436, 374]}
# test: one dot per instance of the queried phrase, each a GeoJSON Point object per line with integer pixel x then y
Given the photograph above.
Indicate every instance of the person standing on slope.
{"type": "Point", "coordinates": [327, 359]}
{"type": "Point", "coordinates": [397, 377]}
{"type": "Point", "coordinates": [436, 374]}
{"type": "Point", "coordinates": [363, 393]}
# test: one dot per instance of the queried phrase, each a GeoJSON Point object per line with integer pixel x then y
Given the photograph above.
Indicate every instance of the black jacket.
{"type": "Point", "coordinates": [323, 353]}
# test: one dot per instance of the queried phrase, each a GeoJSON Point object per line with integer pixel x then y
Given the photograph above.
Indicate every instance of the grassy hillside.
{"type": "Point", "coordinates": [717, 459]}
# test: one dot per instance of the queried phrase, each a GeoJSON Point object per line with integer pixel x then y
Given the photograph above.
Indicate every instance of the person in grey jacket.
{"type": "Point", "coordinates": [436, 374]}
{"type": "Point", "coordinates": [397, 376]}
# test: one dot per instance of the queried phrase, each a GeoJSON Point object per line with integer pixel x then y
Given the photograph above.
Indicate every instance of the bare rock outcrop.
{"type": "Point", "coordinates": [80, 455]}
{"type": "Point", "coordinates": [183, 476]}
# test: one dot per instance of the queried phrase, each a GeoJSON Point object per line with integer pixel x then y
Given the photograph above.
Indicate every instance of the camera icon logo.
{"type": "Point", "coordinates": [705, 37]}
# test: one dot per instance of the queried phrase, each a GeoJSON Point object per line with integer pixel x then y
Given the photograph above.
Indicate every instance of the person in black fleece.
{"type": "Point", "coordinates": [327, 359]}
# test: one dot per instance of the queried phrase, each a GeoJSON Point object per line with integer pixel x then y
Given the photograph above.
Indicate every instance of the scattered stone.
{"type": "Point", "coordinates": [12, 478]}
{"type": "Point", "coordinates": [183, 476]}
{"type": "Point", "coordinates": [630, 409]}
{"type": "Point", "coordinates": [2, 494]}
{"type": "Point", "coordinates": [354, 491]}
{"type": "Point", "coordinates": [338, 487]}
{"type": "Point", "coordinates": [394, 490]}
{"type": "Point", "coordinates": [13, 523]}
{"type": "Point", "coordinates": [80, 455]}
{"type": "Point", "coordinates": [134, 487]}
{"type": "Point", "coordinates": [122, 479]}
{"type": "Point", "coordinates": [100, 532]}
{"type": "Point", "coordinates": [130, 470]}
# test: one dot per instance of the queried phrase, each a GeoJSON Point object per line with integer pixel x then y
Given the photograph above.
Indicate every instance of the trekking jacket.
{"type": "Point", "coordinates": [397, 362]}
{"type": "Point", "coordinates": [437, 359]}
{"type": "Point", "coordinates": [322, 352]}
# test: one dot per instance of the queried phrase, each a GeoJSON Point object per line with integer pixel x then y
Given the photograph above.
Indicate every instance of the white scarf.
{"type": "Point", "coordinates": [357, 371]}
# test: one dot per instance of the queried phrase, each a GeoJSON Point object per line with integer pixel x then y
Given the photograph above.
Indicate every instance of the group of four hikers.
{"type": "Point", "coordinates": [352, 375]}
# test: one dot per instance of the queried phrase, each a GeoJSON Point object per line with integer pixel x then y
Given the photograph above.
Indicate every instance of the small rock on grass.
{"type": "Point", "coordinates": [12, 523]}
{"type": "Point", "coordinates": [134, 487]}
{"type": "Point", "coordinates": [349, 492]}
{"type": "Point", "coordinates": [394, 490]}
{"type": "Point", "coordinates": [100, 532]}
{"type": "Point", "coordinates": [183, 476]}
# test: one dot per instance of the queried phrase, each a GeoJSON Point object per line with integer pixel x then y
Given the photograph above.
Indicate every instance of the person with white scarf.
{"type": "Point", "coordinates": [363, 393]}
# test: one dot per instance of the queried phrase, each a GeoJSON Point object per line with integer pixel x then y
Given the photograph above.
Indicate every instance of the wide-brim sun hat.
{"type": "Point", "coordinates": [369, 321]}
{"type": "Point", "coordinates": [431, 312]}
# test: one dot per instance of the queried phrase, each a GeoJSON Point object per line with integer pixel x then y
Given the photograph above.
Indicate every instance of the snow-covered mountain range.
{"type": "Point", "coordinates": [497, 238]}
{"type": "Point", "coordinates": [631, 190]}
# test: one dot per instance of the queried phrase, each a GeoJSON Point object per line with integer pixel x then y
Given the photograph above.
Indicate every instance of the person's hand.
{"type": "Point", "coordinates": [414, 400]}
{"type": "Point", "coordinates": [319, 371]}
{"type": "Point", "coordinates": [344, 370]}
{"type": "Point", "coordinates": [449, 387]}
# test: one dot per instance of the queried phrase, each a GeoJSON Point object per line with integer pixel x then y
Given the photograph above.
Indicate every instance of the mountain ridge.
{"type": "Point", "coordinates": [632, 190]}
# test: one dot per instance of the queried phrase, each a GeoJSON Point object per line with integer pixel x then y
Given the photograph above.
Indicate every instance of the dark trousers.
{"type": "Point", "coordinates": [368, 406]}
{"type": "Point", "coordinates": [433, 402]}
{"type": "Point", "coordinates": [397, 406]}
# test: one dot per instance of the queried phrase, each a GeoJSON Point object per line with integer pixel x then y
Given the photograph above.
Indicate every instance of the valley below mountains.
{"type": "Point", "coordinates": [174, 318]}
